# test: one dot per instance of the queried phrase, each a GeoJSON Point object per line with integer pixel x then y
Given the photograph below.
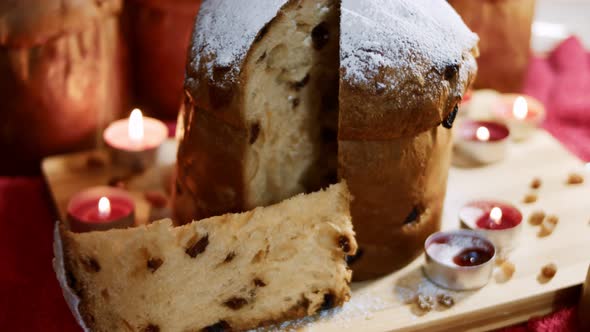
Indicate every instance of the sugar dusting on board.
{"type": "Point", "coordinates": [368, 298]}
{"type": "Point", "coordinates": [362, 305]}
{"type": "Point", "coordinates": [412, 35]}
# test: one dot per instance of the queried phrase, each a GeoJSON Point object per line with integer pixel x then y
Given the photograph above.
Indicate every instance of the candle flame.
{"type": "Point", "coordinates": [496, 215]}
{"type": "Point", "coordinates": [483, 134]}
{"type": "Point", "coordinates": [104, 207]}
{"type": "Point", "coordinates": [520, 109]}
{"type": "Point", "coordinates": [135, 129]}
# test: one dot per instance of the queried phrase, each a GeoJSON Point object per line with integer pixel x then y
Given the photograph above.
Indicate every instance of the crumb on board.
{"type": "Point", "coordinates": [536, 183]}
{"type": "Point", "coordinates": [424, 302]}
{"type": "Point", "coordinates": [445, 300]}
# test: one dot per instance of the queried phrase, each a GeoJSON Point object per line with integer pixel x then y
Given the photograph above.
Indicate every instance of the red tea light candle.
{"type": "Point", "coordinates": [500, 222]}
{"type": "Point", "coordinates": [100, 209]}
{"type": "Point", "coordinates": [522, 114]}
{"type": "Point", "coordinates": [459, 260]}
{"type": "Point", "coordinates": [134, 142]}
{"type": "Point", "coordinates": [484, 142]}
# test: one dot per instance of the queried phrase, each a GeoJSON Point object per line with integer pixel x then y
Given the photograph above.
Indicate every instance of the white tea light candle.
{"type": "Point", "coordinates": [134, 142]}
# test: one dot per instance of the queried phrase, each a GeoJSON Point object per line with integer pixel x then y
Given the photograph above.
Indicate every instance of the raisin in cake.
{"type": "Point", "coordinates": [231, 272]}
{"type": "Point", "coordinates": [283, 95]}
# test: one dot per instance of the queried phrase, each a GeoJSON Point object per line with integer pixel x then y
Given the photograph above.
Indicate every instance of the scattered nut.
{"type": "Point", "coordinates": [575, 178]}
{"type": "Point", "coordinates": [536, 183]}
{"type": "Point", "coordinates": [548, 271]}
{"type": "Point", "coordinates": [547, 228]}
{"type": "Point", "coordinates": [536, 218]}
{"type": "Point", "coordinates": [530, 198]}
{"type": "Point", "coordinates": [425, 303]}
{"type": "Point", "coordinates": [445, 300]}
{"type": "Point", "coordinates": [500, 260]}
{"type": "Point", "coordinates": [156, 199]}
{"type": "Point", "coordinates": [508, 269]}
{"type": "Point", "coordinates": [553, 219]}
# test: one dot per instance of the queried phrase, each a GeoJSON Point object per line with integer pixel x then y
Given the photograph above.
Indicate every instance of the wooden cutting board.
{"type": "Point", "coordinates": [380, 305]}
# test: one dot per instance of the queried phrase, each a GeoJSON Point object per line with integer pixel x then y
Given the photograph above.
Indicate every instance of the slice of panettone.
{"type": "Point", "coordinates": [231, 272]}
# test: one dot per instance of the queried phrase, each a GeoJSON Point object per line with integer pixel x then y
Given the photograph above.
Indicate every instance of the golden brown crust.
{"type": "Point", "coordinates": [399, 188]}
{"type": "Point", "coordinates": [29, 22]}
{"type": "Point", "coordinates": [422, 101]}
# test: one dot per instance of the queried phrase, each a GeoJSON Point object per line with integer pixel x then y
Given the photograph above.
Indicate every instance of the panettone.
{"type": "Point", "coordinates": [231, 272]}
{"type": "Point", "coordinates": [504, 28]}
{"type": "Point", "coordinates": [282, 95]}
{"type": "Point", "coordinates": [62, 76]}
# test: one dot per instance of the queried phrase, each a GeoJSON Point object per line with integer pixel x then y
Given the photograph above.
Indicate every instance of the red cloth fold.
{"type": "Point", "coordinates": [30, 297]}
{"type": "Point", "coordinates": [562, 83]}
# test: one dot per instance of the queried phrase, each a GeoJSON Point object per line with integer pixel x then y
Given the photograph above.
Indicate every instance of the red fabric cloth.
{"type": "Point", "coordinates": [562, 83]}
{"type": "Point", "coordinates": [30, 297]}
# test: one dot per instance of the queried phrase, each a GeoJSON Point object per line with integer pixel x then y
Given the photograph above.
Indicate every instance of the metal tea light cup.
{"type": "Point", "coordinates": [456, 277]}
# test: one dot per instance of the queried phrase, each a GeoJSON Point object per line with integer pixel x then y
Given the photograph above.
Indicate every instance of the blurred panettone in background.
{"type": "Point", "coordinates": [504, 28]}
{"type": "Point", "coordinates": [158, 33]}
{"type": "Point", "coordinates": [62, 77]}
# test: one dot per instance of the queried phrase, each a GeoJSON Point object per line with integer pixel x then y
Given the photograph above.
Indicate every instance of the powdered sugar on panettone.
{"type": "Point", "coordinates": [225, 30]}
{"type": "Point", "coordinates": [409, 36]}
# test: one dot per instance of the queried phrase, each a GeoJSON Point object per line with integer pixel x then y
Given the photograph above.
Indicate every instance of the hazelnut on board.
{"type": "Point", "coordinates": [536, 218]}
{"type": "Point", "coordinates": [575, 178]}
{"type": "Point", "coordinates": [547, 228]}
{"type": "Point", "coordinates": [508, 269]}
{"type": "Point", "coordinates": [530, 198]}
{"type": "Point", "coordinates": [536, 183]}
{"type": "Point", "coordinates": [548, 271]}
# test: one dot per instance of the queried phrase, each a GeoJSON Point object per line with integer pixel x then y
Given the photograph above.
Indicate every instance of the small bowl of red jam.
{"type": "Point", "coordinates": [499, 221]}
{"type": "Point", "coordinates": [459, 260]}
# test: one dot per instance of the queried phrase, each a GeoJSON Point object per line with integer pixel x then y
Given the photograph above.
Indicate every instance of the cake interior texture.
{"type": "Point", "coordinates": [270, 132]}
{"type": "Point", "coordinates": [291, 101]}
{"type": "Point", "coordinates": [231, 272]}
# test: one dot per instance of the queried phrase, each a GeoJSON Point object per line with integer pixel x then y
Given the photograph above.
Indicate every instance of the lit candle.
{"type": "Point", "coordinates": [134, 142]}
{"type": "Point", "coordinates": [459, 260]}
{"type": "Point", "coordinates": [499, 221]}
{"type": "Point", "coordinates": [100, 208]}
{"type": "Point", "coordinates": [522, 114]}
{"type": "Point", "coordinates": [481, 142]}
